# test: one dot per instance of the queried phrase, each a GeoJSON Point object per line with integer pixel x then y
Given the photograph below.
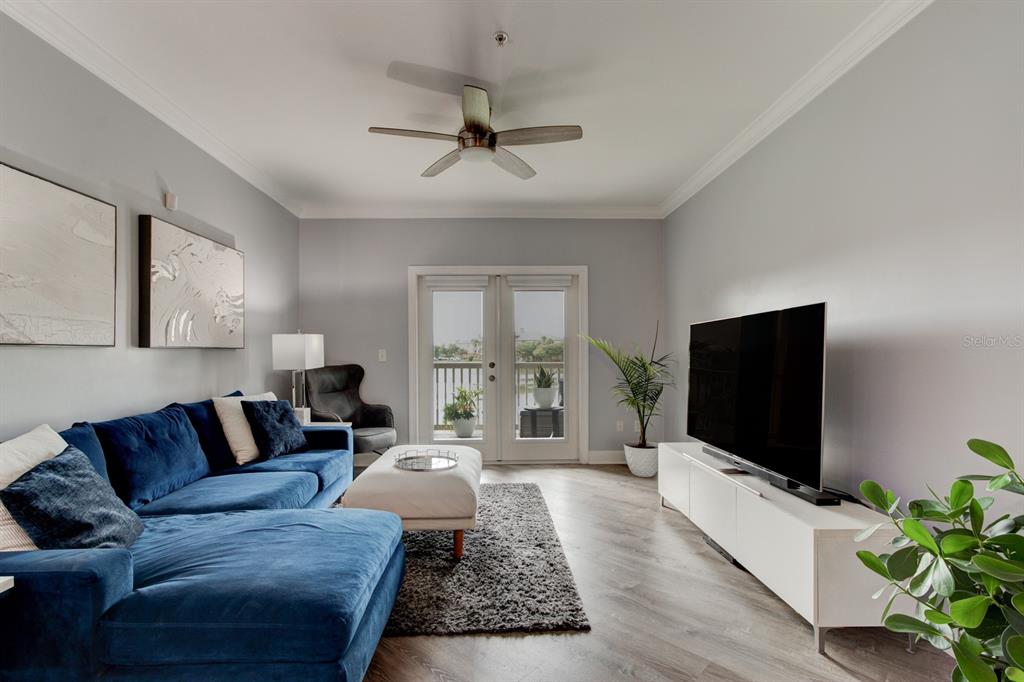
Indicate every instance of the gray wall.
{"type": "Point", "coordinates": [61, 122]}
{"type": "Point", "coordinates": [353, 288]}
{"type": "Point", "coordinates": [896, 196]}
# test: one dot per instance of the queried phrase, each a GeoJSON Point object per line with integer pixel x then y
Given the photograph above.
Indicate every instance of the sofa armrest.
{"type": "Point", "coordinates": [376, 415]}
{"type": "Point", "coordinates": [328, 436]}
{"type": "Point", "coordinates": [48, 619]}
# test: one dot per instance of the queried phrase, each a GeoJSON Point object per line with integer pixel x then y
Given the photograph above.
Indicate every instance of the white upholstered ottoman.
{"type": "Point", "coordinates": [426, 500]}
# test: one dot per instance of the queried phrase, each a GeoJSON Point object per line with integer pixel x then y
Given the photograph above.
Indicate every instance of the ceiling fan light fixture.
{"type": "Point", "coordinates": [479, 143]}
{"type": "Point", "coordinates": [476, 154]}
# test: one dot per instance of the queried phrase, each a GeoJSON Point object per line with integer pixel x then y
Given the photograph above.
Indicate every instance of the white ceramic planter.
{"type": "Point", "coordinates": [642, 462]}
{"type": "Point", "coordinates": [464, 428]}
{"type": "Point", "coordinates": [544, 397]}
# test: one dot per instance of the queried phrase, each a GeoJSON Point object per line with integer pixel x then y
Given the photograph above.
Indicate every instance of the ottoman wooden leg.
{"type": "Point", "coordinates": [458, 544]}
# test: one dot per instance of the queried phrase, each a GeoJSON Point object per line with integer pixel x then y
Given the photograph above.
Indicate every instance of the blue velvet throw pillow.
{"type": "Point", "coordinates": [63, 503]}
{"type": "Point", "coordinates": [211, 434]}
{"type": "Point", "coordinates": [275, 428]}
{"type": "Point", "coordinates": [151, 455]}
{"type": "Point", "coordinates": [83, 437]}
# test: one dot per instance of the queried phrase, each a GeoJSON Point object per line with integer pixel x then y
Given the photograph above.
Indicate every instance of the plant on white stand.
{"type": "Point", "coordinates": [543, 388]}
{"type": "Point", "coordinates": [641, 383]}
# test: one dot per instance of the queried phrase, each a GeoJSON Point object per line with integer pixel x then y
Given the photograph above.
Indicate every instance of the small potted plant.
{"type": "Point", "coordinates": [461, 411]}
{"type": "Point", "coordinates": [642, 380]}
{"type": "Point", "coordinates": [543, 387]}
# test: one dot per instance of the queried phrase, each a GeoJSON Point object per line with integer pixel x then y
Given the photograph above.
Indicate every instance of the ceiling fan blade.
{"type": "Point", "coordinates": [476, 109]}
{"type": "Point", "coordinates": [438, 80]}
{"type": "Point", "coordinates": [538, 135]}
{"type": "Point", "coordinates": [442, 164]}
{"type": "Point", "coordinates": [401, 132]}
{"type": "Point", "coordinates": [506, 160]}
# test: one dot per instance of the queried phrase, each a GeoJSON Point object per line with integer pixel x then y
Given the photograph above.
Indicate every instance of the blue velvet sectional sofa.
{"type": "Point", "coordinates": [241, 573]}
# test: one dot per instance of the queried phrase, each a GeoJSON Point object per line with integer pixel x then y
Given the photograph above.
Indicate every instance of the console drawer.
{"type": "Point", "coordinates": [674, 479]}
{"type": "Point", "coordinates": [713, 506]}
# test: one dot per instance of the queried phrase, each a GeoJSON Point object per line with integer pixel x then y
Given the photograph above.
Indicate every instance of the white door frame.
{"type": "Point", "coordinates": [583, 381]}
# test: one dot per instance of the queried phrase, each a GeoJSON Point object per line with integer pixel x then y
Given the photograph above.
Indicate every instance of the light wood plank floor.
{"type": "Point", "coordinates": [662, 604]}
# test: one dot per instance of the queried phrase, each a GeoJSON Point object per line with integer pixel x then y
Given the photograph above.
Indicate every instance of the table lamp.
{"type": "Point", "coordinates": [298, 352]}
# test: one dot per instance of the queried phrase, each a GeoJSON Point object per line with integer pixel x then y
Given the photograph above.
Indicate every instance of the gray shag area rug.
{"type": "Point", "coordinates": [513, 576]}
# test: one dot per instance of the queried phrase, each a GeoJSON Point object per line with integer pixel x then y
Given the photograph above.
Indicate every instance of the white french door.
{"type": "Point", "coordinates": [456, 344]}
{"type": "Point", "coordinates": [508, 342]}
{"type": "Point", "coordinates": [539, 334]}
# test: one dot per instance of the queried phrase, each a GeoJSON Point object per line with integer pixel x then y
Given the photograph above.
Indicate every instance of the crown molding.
{"type": "Point", "coordinates": [378, 211]}
{"type": "Point", "coordinates": [888, 18]}
{"type": "Point", "coordinates": [48, 24]}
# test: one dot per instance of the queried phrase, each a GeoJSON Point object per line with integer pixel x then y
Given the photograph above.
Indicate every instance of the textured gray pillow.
{"type": "Point", "coordinates": [62, 503]}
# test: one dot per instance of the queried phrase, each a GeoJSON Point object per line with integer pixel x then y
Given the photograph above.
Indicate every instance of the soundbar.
{"type": "Point", "coordinates": [815, 497]}
{"type": "Point", "coordinates": [805, 493]}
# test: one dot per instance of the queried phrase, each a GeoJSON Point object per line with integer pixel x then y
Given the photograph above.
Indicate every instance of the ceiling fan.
{"type": "Point", "coordinates": [478, 142]}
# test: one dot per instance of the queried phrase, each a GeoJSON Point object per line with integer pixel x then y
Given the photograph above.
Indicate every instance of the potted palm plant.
{"type": "Point", "coordinates": [543, 387]}
{"type": "Point", "coordinates": [461, 411]}
{"type": "Point", "coordinates": [642, 380]}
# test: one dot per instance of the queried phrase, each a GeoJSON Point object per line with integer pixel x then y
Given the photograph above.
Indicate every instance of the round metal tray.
{"type": "Point", "coordinates": [426, 459]}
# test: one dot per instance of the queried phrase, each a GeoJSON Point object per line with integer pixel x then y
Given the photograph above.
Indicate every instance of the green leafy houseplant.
{"type": "Point", "coordinates": [542, 378]}
{"type": "Point", "coordinates": [462, 405]}
{"type": "Point", "coordinates": [642, 379]}
{"type": "Point", "coordinates": [965, 573]}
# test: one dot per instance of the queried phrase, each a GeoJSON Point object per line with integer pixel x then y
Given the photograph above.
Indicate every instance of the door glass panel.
{"type": "Point", "coordinates": [539, 364]}
{"type": "Point", "coordinates": [459, 372]}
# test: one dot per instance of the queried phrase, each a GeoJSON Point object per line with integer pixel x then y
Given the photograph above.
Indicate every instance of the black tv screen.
{"type": "Point", "coordinates": [757, 389]}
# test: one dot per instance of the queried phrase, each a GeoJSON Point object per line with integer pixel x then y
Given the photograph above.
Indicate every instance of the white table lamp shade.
{"type": "Point", "coordinates": [298, 351]}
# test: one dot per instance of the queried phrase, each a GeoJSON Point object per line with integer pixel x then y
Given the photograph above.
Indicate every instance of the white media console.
{"type": "Point", "coordinates": [803, 553]}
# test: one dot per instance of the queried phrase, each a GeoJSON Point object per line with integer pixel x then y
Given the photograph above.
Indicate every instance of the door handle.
{"type": "Point", "coordinates": [491, 365]}
{"type": "Point", "coordinates": [490, 378]}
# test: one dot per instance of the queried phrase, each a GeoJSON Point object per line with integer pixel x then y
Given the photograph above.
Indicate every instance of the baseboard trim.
{"type": "Point", "coordinates": [365, 459]}
{"type": "Point", "coordinates": [606, 457]}
{"type": "Point", "coordinates": [519, 462]}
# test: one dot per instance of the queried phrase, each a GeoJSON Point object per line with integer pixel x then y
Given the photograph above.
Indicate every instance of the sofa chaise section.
{"type": "Point", "coordinates": [289, 588]}
{"type": "Point", "coordinates": [250, 595]}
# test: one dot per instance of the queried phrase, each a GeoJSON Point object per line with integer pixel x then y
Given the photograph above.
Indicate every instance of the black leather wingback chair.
{"type": "Point", "coordinates": [332, 392]}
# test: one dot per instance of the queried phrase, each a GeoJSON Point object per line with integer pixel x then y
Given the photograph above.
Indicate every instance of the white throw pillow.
{"type": "Point", "coordinates": [17, 456]}
{"type": "Point", "coordinates": [236, 426]}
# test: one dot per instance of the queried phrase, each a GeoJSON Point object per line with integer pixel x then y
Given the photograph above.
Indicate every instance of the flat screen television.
{"type": "Point", "coordinates": [757, 391]}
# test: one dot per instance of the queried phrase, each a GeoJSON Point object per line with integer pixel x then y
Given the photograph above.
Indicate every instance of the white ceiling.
{"type": "Point", "coordinates": [668, 93]}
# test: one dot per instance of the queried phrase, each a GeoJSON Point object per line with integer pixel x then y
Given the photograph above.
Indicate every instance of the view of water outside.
{"type": "Point", "coordinates": [458, 351]}
{"type": "Point", "coordinates": [540, 359]}
{"type": "Point", "coordinates": [458, 345]}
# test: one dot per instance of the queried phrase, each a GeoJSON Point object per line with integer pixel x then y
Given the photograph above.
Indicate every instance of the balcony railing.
{"type": "Point", "coordinates": [450, 375]}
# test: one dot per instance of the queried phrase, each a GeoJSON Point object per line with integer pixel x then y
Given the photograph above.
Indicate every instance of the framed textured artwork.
{"type": "Point", "coordinates": [192, 289]}
{"type": "Point", "coordinates": [58, 263]}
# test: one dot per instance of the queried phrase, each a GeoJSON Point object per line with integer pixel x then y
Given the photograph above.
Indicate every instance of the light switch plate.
{"type": "Point", "coordinates": [382, 355]}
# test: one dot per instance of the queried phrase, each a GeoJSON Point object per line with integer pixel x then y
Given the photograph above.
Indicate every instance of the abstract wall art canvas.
{"type": "Point", "coordinates": [192, 289]}
{"type": "Point", "coordinates": [58, 260]}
